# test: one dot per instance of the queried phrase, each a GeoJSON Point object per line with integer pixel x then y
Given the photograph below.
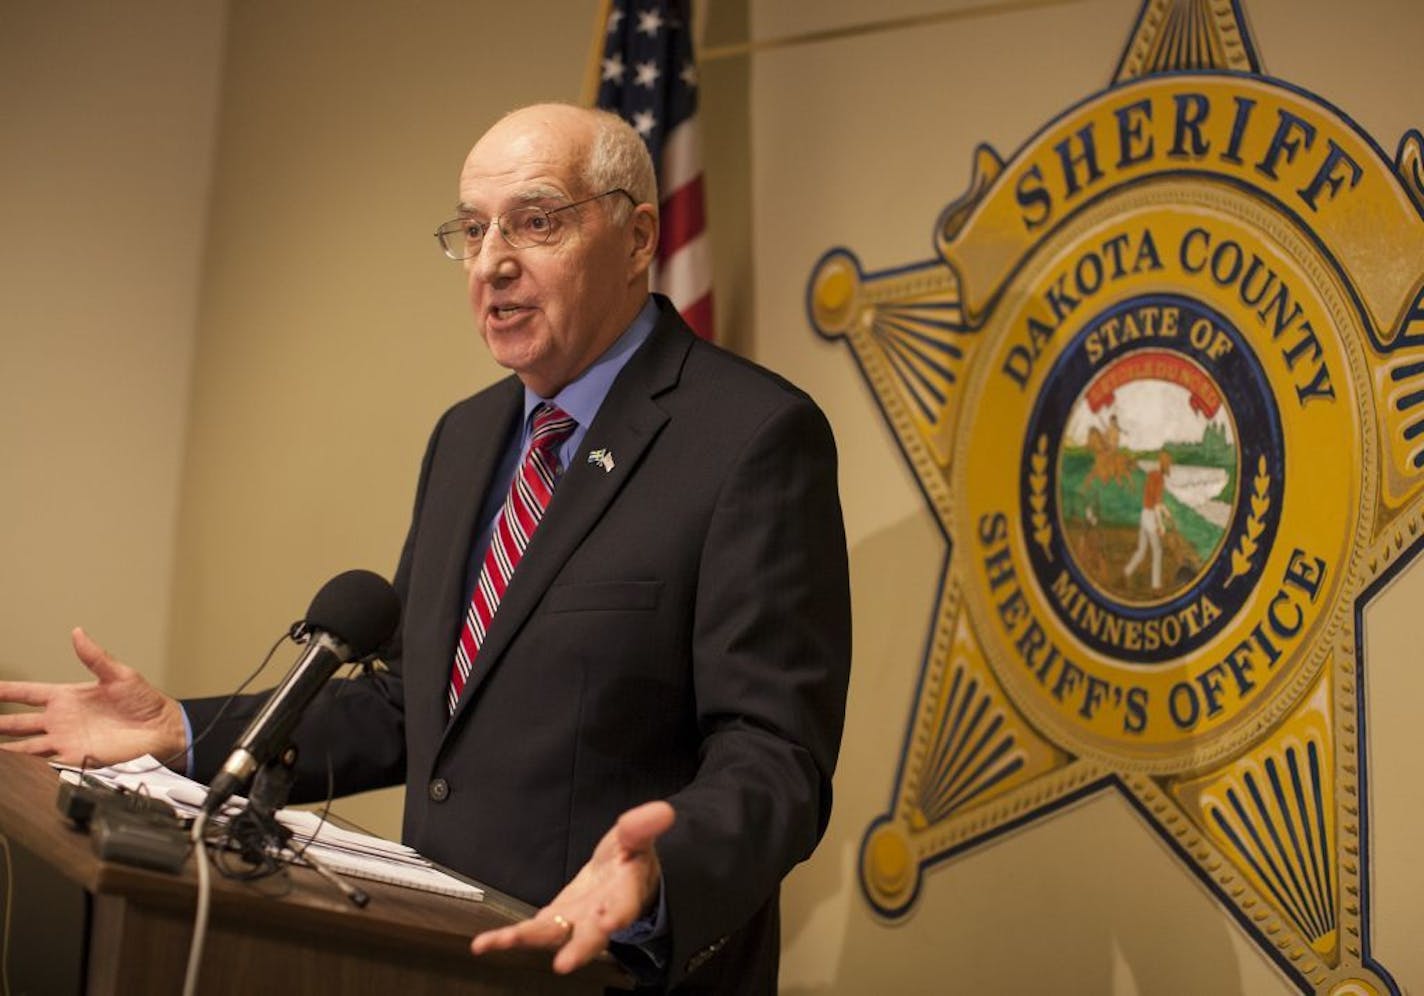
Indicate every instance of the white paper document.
{"type": "Point", "coordinates": [346, 852]}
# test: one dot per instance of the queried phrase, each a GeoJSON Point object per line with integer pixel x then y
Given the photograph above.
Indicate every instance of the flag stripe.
{"type": "Point", "coordinates": [682, 219]}
{"type": "Point", "coordinates": [682, 155]}
{"type": "Point", "coordinates": [687, 274]}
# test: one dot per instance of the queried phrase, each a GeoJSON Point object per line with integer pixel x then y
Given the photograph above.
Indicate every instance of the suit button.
{"type": "Point", "coordinates": [439, 790]}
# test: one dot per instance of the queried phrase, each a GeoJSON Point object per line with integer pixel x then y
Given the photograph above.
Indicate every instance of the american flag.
{"type": "Point", "coordinates": [647, 76]}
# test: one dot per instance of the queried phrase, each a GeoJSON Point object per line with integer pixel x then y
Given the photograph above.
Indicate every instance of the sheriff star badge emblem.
{"type": "Point", "coordinates": [1163, 310]}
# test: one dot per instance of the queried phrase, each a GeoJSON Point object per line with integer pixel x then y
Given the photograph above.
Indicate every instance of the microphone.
{"type": "Point", "coordinates": [351, 616]}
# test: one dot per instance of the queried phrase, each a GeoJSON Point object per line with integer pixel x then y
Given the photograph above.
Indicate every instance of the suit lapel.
{"type": "Point", "coordinates": [473, 443]}
{"type": "Point", "coordinates": [626, 425]}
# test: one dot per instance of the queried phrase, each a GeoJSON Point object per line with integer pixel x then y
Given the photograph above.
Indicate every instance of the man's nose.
{"type": "Point", "coordinates": [495, 261]}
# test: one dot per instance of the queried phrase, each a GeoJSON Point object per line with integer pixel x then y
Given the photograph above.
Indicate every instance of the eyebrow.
{"type": "Point", "coordinates": [529, 195]}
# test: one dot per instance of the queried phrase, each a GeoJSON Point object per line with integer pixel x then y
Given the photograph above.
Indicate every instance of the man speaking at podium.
{"type": "Point", "coordinates": [620, 678]}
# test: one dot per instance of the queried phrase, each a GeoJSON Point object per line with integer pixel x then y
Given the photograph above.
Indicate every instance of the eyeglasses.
{"type": "Point", "coordinates": [522, 227]}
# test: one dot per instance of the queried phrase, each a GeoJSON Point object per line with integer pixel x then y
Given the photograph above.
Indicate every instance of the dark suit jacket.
{"type": "Point", "coordinates": [679, 628]}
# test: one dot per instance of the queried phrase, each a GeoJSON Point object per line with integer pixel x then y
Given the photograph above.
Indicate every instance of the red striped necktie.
{"type": "Point", "coordinates": [528, 497]}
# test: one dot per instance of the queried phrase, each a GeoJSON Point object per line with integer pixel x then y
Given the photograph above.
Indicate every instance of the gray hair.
{"type": "Point", "coordinates": [619, 158]}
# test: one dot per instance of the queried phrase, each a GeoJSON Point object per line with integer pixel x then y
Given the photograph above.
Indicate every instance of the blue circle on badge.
{"type": "Point", "coordinates": [1153, 453]}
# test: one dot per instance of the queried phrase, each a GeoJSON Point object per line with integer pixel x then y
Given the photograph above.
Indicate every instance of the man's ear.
{"type": "Point", "coordinates": [644, 242]}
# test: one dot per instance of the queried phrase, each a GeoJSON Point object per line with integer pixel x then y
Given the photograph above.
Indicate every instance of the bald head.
{"type": "Point", "coordinates": [596, 145]}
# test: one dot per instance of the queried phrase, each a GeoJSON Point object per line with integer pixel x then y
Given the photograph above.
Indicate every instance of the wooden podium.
{"type": "Point", "coordinates": [292, 934]}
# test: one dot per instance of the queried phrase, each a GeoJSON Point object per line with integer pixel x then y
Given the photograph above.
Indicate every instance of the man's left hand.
{"type": "Point", "coordinates": [618, 885]}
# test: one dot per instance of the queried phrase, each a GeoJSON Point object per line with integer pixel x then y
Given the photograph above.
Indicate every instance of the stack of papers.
{"type": "Point", "coordinates": [346, 852]}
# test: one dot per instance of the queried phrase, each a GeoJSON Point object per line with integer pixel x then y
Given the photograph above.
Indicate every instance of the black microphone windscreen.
{"type": "Point", "coordinates": [360, 608]}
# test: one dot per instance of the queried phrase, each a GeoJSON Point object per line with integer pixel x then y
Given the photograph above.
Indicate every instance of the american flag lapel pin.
{"type": "Point", "coordinates": [601, 458]}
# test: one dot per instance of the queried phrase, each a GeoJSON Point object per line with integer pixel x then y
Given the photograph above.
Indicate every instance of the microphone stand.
{"type": "Point", "coordinates": [271, 787]}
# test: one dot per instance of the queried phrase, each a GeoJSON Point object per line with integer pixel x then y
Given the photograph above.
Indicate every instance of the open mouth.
{"type": "Point", "coordinates": [504, 314]}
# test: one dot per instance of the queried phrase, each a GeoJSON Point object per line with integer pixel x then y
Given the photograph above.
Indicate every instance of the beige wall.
{"type": "Point", "coordinates": [107, 118]}
{"type": "Point", "coordinates": [190, 453]}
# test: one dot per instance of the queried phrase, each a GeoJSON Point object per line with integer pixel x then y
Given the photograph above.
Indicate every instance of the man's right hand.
{"type": "Point", "coordinates": [117, 717]}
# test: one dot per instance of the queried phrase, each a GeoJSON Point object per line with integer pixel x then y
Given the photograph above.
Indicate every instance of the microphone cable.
{"type": "Point", "coordinates": [265, 868]}
{"type": "Point", "coordinates": [200, 824]}
{"type": "Point", "coordinates": [90, 761]}
{"type": "Point", "coordinates": [232, 697]}
{"type": "Point", "coordinates": [200, 920]}
{"type": "Point", "coordinates": [198, 737]}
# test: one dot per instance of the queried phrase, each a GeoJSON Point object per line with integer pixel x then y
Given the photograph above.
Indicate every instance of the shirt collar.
{"type": "Point", "coordinates": [583, 396]}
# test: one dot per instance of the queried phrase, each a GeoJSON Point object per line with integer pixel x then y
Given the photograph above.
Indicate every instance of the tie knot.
{"type": "Point", "coordinates": [552, 426]}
